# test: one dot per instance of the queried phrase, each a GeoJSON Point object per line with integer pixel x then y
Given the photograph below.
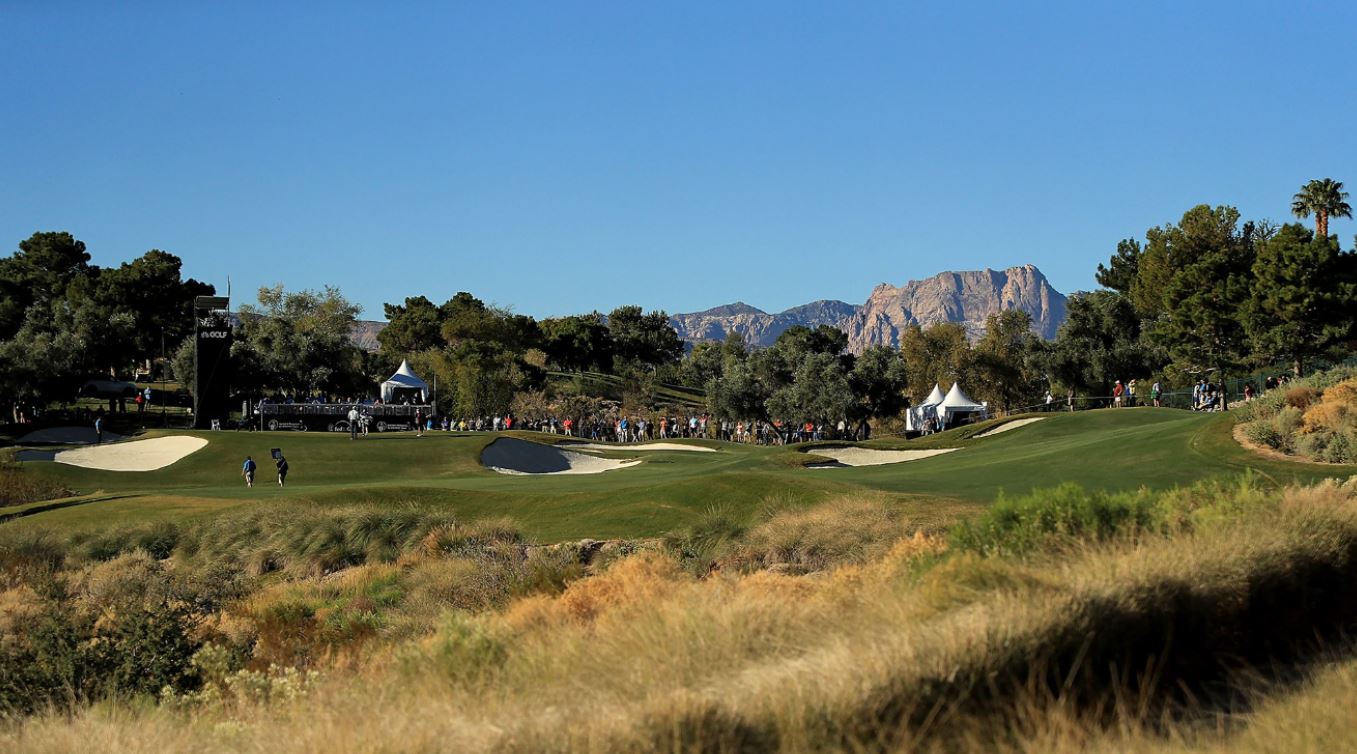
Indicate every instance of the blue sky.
{"type": "Point", "coordinates": [565, 157]}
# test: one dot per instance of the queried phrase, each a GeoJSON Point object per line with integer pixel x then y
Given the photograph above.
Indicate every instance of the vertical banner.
{"type": "Point", "coordinates": [211, 360]}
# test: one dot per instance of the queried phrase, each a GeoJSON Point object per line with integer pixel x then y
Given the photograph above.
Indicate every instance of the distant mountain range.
{"type": "Point", "coordinates": [966, 297]}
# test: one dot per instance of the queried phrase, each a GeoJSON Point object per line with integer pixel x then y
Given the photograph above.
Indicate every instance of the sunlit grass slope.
{"type": "Point", "coordinates": [1105, 450]}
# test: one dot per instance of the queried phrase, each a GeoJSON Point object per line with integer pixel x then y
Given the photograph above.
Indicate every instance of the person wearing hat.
{"type": "Point", "coordinates": [1117, 391]}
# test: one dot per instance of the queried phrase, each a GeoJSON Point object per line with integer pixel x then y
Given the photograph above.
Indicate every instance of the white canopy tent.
{"type": "Point", "coordinates": [957, 402]}
{"type": "Point", "coordinates": [916, 416]}
{"type": "Point", "coordinates": [403, 382]}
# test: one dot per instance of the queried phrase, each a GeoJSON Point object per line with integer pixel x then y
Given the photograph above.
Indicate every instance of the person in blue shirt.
{"type": "Point", "coordinates": [248, 471]}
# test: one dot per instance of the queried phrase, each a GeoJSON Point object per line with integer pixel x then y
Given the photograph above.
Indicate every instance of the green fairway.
{"type": "Point", "coordinates": [1109, 449]}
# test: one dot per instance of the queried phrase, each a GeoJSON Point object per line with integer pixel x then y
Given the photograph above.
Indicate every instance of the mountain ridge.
{"type": "Point", "coordinates": [967, 297]}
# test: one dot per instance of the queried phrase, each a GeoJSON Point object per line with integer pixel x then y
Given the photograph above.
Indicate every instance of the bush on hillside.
{"type": "Point", "coordinates": [1316, 419]}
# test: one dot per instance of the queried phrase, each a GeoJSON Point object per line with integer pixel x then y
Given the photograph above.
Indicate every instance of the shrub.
{"type": "Point", "coordinates": [847, 530]}
{"type": "Point", "coordinates": [1301, 396]}
{"type": "Point", "coordinates": [1263, 432]}
{"type": "Point", "coordinates": [1067, 513]}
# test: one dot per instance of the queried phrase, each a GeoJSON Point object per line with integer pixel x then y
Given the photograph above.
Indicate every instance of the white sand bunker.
{"type": "Point", "coordinates": [1007, 426]}
{"type": "Point", "coordinates": [510, 456]}
{"type": "Point", "coordinates": [841, 457]}
{"type": "Point", "coordinates": [138, 455]}
{"type": "Point", "coordinates": [628, 446]}
{"type": "Point", "coordinates": [66, 436]}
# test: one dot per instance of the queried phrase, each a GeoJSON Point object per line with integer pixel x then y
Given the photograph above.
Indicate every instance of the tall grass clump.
{"type": "Point", "coordinates": [18, 486]}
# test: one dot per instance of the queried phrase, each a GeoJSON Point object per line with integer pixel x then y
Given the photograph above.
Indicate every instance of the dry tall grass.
{"type": "Point", "coordinates": [1127, 641]}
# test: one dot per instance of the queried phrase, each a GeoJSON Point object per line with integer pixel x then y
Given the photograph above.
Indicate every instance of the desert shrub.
{"type": "Point", "coordinates": [66, 657]}
{"type": "Point", "coordinates": [700, 543]}
{"type": "Point", "coordinates": [18, 486]}
{"type": "Point", "coordinates": [1062, 514]}
{"type": "Point", "coordinates": [1341, 449]}
{"type": "Point", "coordinates": [463, 647]}
{"type": "Point", "coordinates": [847, 530]}
{"type": "Point", "coordinates": [1264, 432]}
{"type": "Point", "coordinates": [26, 553]}
{"type": "Point", "coordinates": [1301, 396]}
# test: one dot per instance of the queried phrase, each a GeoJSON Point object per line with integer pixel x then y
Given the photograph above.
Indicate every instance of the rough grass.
{"type": "Point", "coordinates": [18, 487]}
{"type": "Point", "coordinates": [1062, 622]}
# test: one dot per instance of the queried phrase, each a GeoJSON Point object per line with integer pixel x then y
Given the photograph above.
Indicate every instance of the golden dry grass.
{"type": "Point", "coordinates": [910, 648]}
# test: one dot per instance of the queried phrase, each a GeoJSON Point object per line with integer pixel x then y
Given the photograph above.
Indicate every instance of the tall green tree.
{"type": "Point", "coordinates": [819, 392]}
{"type": "Point", "coordinates": [40, 271]}
{"type": "Point", "coordinates": [643, 338]}
{"type": "Point", "coordinates": [1120, 272]}
{"type": "Point", "coordinates": [1324, 198]}
{"type": "Point", "coordinates": [878, 382]}
{"type": "Point", "coordinates": [578, 343]}
{"type": "Point", "coordinates": [939, 354]}
{"type": "Point", "coordinates": [152, 292]}
{"type": "Point", "coordinates": [416, 325]}
{"type": "Point", "coordinates": [299, 342]}
{"type": "Point", "coordinates": [1006, 374]}
{"type": "Point", "coordinates": [1302, 305]}
{"type": "Point", "coordinates": [1098, 343]}
{"type": "Point", "coordinates": [1205, 301]}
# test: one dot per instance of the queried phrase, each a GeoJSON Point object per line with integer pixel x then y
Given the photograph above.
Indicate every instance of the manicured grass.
{"type": "Point", "coordinates": [1105, 450]}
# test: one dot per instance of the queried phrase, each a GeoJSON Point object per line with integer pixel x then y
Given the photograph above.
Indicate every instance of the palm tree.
{"type": "Point", "coordinates": [1324, 197]}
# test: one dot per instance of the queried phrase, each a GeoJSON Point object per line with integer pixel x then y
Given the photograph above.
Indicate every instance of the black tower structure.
{"type": "Point", "coordinates": [211, 360]}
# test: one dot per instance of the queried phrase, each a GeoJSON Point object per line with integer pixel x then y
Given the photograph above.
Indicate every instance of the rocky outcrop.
{"type": "Point", "coordinates": [756, 326]}
{"type": "Point", "coordinates": [964, 297]}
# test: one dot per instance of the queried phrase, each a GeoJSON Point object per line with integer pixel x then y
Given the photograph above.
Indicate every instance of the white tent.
{"type": "Point", "coordinates": [404, 379]}
{"type": "Point", "coordinates": [917, 415]}
{"type": "Point", "coordinates": [957, 402]}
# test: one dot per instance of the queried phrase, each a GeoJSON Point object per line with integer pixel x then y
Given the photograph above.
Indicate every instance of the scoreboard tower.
{"type": "Point", "coordinates": [211, 360]}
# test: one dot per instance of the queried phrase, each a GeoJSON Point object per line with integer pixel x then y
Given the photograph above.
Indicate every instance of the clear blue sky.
{"type": "Point", "coordinates": [562, 157]}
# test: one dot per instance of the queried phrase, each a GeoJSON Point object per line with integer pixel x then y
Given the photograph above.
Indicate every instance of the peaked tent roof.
{"type": "Point", "coordinates": [934, 398]}
{"type": "Point", "coordinates": [404, 378]}
{"type": "Point", "coordinates": [957, 400]}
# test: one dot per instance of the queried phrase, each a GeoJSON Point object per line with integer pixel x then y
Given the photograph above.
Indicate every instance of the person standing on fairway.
{"type": "Point", "coordinates": [353, 422]}
{"type": "Point", "coordinates": [248, 471]}
{"type": "Point", "coordinates": [282, 470]}
{"type": "Point", "coordinates": [419, 422]}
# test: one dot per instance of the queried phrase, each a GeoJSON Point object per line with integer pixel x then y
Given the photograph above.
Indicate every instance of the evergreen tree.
{"type": "Point", "coordinates": [1301, 305]}
{"type": "Point", "coordinates": [1204, 303]}
{"type": "Point", "coordinates": [1120, 272]}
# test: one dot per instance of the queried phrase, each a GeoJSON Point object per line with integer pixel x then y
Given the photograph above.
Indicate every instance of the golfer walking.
{"type": "Point", "coordinates": [248, 471]}
{"type": "Point", "coordinates": [282, 470]}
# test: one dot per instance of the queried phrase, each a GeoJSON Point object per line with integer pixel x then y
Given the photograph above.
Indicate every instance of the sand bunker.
{"type": "Point", "coordinates": [629, 446]}
{"type": "Point", "coordinates": [842, 457]}
{"type": "Point", "coordinates": [66, 436]}
{"type": "Point", "coordinates": [138, 455]}
{"type": "Point", "coordinates": [510, 456]}
{"type": "Point", "coordinates": [1008, 425]}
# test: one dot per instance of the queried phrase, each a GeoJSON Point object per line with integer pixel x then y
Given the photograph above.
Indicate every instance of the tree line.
{"type": "Point", "coordinates": [1205, 297]}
